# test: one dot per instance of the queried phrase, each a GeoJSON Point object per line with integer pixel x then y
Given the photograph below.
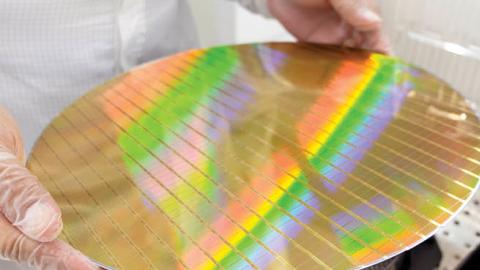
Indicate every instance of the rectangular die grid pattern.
{"type": "Point", "coordinates": [255, 156]}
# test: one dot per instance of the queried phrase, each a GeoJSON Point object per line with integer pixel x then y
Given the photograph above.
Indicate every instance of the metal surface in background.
{"type": "Point", "coordinates": [267, 156]}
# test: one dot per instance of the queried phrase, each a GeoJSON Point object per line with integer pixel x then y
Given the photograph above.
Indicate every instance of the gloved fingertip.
{"type": "Point", "coordinates": [53, 231]}
{"type": "Point", "coordinates": [367, 20]}
{"type": "Point", "coordinates": [369, 15]}
{"type": "Point", "coordinates": [42, 222]}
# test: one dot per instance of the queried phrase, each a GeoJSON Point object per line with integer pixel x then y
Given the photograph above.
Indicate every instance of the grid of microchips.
{"type": "Point", "coordinates": [262, 156]}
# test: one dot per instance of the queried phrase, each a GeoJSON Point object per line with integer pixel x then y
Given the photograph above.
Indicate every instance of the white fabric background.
{"type": "Point", "coordinates": [53, 51]}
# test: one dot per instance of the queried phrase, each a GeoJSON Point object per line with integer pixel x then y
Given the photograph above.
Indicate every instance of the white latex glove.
{"type": "Point", "coordinates": [354, 23]}
{"type": "Point", "coordinates": [30, 220]}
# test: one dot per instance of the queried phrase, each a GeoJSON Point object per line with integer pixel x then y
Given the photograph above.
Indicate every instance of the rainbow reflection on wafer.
{"type": "Point", "coordinates": [282, 156]}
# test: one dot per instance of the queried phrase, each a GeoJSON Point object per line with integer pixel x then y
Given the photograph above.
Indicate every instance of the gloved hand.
{"type": "Point", "coordinates": [354, 23]}
{"type": "Point", "coordinates": [30, 220]}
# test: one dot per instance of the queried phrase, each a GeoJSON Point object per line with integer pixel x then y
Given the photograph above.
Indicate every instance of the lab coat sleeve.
{"type": "Point", "coordinates": [257, 6]}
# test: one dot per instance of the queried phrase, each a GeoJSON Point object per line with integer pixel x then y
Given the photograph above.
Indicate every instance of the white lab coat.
{"type": "Point", "coordinates": [54, 51]}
